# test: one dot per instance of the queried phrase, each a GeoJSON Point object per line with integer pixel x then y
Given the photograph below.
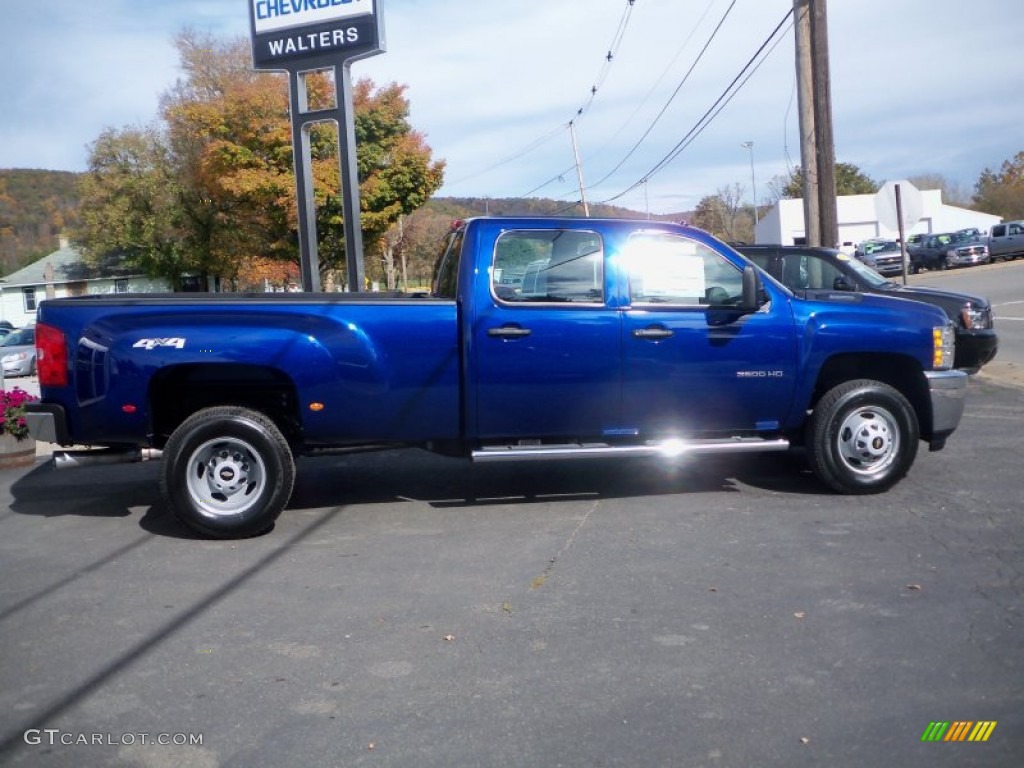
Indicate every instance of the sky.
{"type": "Point", "coordinates": [918, 87]}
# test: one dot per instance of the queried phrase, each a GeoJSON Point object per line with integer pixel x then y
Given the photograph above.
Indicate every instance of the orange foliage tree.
{"type": "Point", "coordinates": [226, 188]}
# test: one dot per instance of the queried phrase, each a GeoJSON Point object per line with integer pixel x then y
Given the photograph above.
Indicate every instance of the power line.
{"type": "Point", "coordinates": [609, 59]}
{"type": "Point", "coordinates": [671, 98]}
{"type": "Point", "coordinates": [535, 144]}
{"type": "Point", "coordinates": [664, 72]}
{"type": "Point", "coordinates": [557, 177]}
{"type": "Point", "coordinates": [719, 104]}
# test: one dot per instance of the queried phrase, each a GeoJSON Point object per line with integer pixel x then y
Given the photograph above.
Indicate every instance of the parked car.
{"type": "Point", "coordinates": [966, 249]}
{"type": "Point", "coordinates": [929, 252]}
{"type": "Point", "coordinates": [1006, 241]}
{"type": "Point", "coordinates": [18, 352]}
{"type": "Point", "coordinates": [884, 256]}
{"type": "Point", "coordinates": [802, 268]}
{"type": "Point", "coordinates": [948, 249]}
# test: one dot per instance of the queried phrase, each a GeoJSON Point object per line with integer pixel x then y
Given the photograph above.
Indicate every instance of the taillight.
{"type": "Point", "coordinates": [51, 356]}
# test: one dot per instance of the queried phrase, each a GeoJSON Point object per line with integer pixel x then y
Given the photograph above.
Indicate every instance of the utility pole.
{"type": "Point", "coordinates": [805, 103]}
{"type": "Point", "coordinates": [749, 146]}
{"type": "Point", "coordinates": [579, 169]}
{"type": "Point", "coordinates": [825, 146]}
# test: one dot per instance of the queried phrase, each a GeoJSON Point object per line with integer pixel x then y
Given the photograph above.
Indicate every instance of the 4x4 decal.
{"type": "Point", "coordinates": [176, 342]}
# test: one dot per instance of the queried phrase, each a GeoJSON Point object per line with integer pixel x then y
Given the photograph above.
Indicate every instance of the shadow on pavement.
{"type": "Point", "coordinates": [413, 475]}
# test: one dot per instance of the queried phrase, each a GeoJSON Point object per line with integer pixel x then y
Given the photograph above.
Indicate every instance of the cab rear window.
{"type": "Point", "coordinates": [548, 266]}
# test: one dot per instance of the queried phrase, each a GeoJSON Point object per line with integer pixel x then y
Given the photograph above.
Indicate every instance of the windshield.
{"type": "Point", "coordinates": [959, 238]}
{"type": "Point", "coordinates": [21, 338]}
{"type": "Point", "coordinates": [881, 248]}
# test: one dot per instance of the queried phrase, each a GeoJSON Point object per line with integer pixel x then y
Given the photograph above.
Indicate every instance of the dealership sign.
{"type": "Point", "coordinates": [288, 30]}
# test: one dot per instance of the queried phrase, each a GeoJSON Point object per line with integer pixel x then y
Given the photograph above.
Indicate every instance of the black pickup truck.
{"type": "Point", "coordinates": [804, 268]}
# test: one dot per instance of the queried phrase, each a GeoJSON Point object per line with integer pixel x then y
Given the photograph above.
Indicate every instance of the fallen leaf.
{"type": "Point", "coordinates": [914, 587]}
{"type": "Point", "coordinates": [712, 589]}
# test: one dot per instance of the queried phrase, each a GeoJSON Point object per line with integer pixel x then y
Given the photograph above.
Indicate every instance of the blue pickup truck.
{"type": "Point", "coordinates": [541, 339]}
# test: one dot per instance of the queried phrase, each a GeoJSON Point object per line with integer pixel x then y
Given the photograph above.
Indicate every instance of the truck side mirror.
{"type": "Point", "coordinates": [751, 289]}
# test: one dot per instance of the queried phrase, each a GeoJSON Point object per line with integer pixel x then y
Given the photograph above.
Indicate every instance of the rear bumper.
{"type": "Point", "coordinates": [47, 423]}
{"type": "Point", "coordinates": [948, 392]}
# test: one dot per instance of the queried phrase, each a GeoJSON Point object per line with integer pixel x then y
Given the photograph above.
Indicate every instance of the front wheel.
{"type": "Point", "coordinates": [228, 472]}
{"type": "Point", "coordinates": [862, 437]}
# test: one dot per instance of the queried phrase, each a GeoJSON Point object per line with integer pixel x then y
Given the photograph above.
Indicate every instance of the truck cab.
{"type": "Point", "coordinates": [1006, 241]}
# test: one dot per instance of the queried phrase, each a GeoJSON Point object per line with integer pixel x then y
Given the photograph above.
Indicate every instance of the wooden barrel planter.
{"type": "Point", "coordinates": [16, 453]}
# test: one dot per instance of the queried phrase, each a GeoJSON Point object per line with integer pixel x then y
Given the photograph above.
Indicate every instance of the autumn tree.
{"type": "Point", "coordinates": [7, 236]}
{"type": "Point", "coordinates": [850, 180]}
{"type": "Point", "coordinates": [1002, 192]}
{"type": "Point", "coordinates": [413, 245]}
{"type": "Point", "coordinates": [723, 215]}
{"type": "Point", "coordinates": [36, 208]}
{"type": "Point", "coordinates": [130, 204]}
{"type": "Point", "coordinates": [218, 173]}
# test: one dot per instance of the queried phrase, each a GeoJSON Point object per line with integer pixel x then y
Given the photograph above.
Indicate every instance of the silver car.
{"type": "Point", "coordinates": [883, 256]}
{"type": "Point", "coordinates": [18, 352]}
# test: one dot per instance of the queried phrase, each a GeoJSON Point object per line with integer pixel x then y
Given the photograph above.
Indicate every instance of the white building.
{"type": "Point", "coordinates": [64, 273]}
{"type": "Point", "coordinates": [858, 220]}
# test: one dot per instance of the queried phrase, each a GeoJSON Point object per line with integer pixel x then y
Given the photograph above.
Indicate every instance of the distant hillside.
{"type": "Point", "coordinates": [466, 207]}
{"type": "Point", "coordinates": [35, 207]}
{"type": "Point", "coordinates": [522, 206]}
{"type": "Point", "coordinates": [462, 207]}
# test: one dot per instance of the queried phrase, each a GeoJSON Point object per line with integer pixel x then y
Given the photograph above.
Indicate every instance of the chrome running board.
{"type": "Point", "coordinates": [661, 449]}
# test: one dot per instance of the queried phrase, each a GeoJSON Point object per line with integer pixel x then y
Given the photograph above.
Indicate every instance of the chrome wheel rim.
{"type": "Point", "coordinates": [226, 476]}
{"type": "Point", "coordinates": [868, 440]}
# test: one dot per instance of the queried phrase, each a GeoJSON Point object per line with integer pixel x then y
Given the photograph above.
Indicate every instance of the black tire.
{"type": "Point", "coordinates": [228, 472]}
{"type": "Point", "coordinates": [862, 437]}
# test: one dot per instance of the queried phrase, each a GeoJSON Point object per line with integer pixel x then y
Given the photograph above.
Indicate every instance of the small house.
{"type": "Point", "coordinates": [65, 273]}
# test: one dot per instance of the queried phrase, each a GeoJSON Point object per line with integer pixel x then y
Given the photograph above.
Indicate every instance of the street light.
{"type": "Point", "coordinates": [749, 146]}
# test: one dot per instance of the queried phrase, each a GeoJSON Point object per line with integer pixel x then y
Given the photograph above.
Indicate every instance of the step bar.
{"type": "Point", "coordinates": [667, 449]}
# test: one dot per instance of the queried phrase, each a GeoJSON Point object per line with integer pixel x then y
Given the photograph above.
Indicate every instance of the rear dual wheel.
{"type": "Point", "coordinates": [228, 472]}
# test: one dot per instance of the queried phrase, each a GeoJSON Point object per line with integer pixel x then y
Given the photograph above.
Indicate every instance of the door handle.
{"type": "Point", "coordinates": [509, 332]}
{"type": "Point", "coordinates": [653, 332]}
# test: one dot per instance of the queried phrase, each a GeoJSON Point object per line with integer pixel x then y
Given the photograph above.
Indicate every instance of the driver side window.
{"type": "Point", "coordinates": [817, 274]}
{"type": "Point", "coordinates": [666, 268]}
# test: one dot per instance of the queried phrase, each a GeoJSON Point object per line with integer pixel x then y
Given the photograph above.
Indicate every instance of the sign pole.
{"type": "Point", "coordinates": [899, 218]}
{"type": "Point", "coordinates": [309, 256]}
{"type": "Point", "coordinates": [349, 179]}
{"type": "Point", "coordinates": [300, 39]}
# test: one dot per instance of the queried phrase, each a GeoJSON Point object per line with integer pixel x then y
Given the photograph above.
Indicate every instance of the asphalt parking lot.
{"type": "Point", "coordinates": [410, 610]}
